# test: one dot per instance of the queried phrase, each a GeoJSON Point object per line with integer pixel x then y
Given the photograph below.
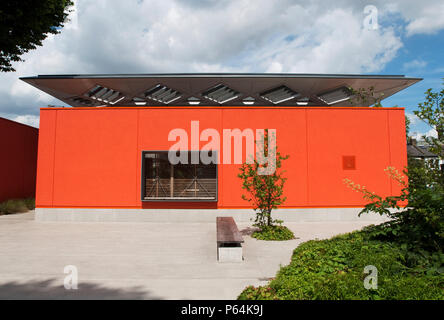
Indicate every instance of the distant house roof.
{"type": "Point", "coordinates": [229, 89]}
{"type": "Point", "coordinates": [422, 152]}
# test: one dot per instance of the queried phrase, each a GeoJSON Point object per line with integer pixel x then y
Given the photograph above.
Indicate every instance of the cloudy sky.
{"type": "Point", "coordinates": [309, 36]}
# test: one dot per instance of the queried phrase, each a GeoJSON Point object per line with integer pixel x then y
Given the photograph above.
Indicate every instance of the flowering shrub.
{"type": "Point", "coordinates": [420, 224]}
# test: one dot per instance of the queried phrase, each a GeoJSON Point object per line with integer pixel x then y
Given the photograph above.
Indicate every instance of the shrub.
{"type": "Point", "coordinates": [258, 293]}
{"type": "Point", "coordinates": [30, 203]}
{"type": "Point", "coordinates": [276, 233]}
{"type": "Point", "coordinates": [333, 270]}
{"type": "Point", "coordinates": [17, 205]}
{"type": "Point", "coordinates": [421, 223]}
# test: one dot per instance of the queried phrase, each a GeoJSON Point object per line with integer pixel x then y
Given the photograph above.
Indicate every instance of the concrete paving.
{"type": "Point", "coordinates": [126, 260]}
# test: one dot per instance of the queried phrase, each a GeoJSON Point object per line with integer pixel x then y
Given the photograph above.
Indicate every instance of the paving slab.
{"type": "Point", "coordinates": [138, 260]}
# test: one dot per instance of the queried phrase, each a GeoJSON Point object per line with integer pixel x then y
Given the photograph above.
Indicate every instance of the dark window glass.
{"type": "Point", "coordinates": [165, 181]}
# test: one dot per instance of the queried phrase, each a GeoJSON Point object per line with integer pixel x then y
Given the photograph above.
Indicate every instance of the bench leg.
{"type": "Point", "coordinates": [232, 253]}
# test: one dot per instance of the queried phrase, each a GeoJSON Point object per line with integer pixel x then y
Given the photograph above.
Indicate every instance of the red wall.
{"type": "Point", "coordinates": [91, 157]}
{"type": "Point", "coordinates": [18, 160]}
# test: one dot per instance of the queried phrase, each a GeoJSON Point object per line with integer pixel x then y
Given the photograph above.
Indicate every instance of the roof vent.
{"type": "Point", "coordinates": [163, 94]}
{"type": "Point", "coordinates": [335, 96]}
{"type": "Point", "coordinates": [279, 95]}
{"type": "Point", "coordinates": [104, 94]}
{"type": "Point", "coordinates": [221, 94]}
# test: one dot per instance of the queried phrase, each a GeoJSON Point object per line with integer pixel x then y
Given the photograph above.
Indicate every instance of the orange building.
{"type": "Point", "coordinates": [106, 156]}
{"type": "Point", "coordinates": [18, 160]}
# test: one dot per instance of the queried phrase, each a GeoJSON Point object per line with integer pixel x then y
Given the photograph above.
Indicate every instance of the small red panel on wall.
{"type": "Point", "coordinates": [348, 162]}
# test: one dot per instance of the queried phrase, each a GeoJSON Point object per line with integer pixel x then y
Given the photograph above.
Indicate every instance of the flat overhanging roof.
{"type": "Point", "coordinates": [229, 89]}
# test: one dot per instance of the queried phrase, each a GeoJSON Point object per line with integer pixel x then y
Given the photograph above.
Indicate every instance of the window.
{"type": "Point", "coordinates": [163, 181]}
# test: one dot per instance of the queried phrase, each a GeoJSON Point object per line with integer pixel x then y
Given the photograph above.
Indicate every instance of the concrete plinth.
{"type": "Point", "coordinates": [230, 254]}
{"type": "Point", "coordinates": [199, 215]}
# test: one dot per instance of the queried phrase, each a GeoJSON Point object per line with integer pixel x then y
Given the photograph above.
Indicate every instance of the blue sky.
{"type": "Point", "coordinates": [289, 36]}
{"type": "Point", "coordinates": [422, 56]}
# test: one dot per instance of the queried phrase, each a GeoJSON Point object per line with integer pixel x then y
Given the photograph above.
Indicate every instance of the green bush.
{"type": "Point", "coordinates": [273, 233]}
{"type": "Point", "coordinates": [334, 270]}
{"type": "Point", "coordinates": [419, 225]}
{"type": "Point", "coordinates": [17, 205]}
{"type": "Point", "coordinates": [30, 203]}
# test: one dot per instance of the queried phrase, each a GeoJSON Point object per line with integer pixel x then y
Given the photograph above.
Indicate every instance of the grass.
{"type": "Point", "coordinates": [334, 270]}
{"type": "Point", "coordinates": [17, 205]}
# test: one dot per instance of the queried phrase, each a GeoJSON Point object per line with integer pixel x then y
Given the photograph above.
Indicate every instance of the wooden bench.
{"type": "Point", "coordinates": [229, 240]}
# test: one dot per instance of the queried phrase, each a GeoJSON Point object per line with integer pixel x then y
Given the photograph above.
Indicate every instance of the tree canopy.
{"type": "Point", "coordinates": [25, 24]}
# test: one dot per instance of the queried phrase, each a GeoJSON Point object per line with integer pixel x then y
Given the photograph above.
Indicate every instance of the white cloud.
{"type": "Point", "coordinates": [414, 120]}
{"type": "Point", "coordinates": [419, 135]}
{"type": "Point", "coordinates": [215, 36]}
{"type": "Point", "coordinates": [429, 20]}
{"type": "Point", "coordinates": [414, 64]}
{"type": "Point", "coordinates": [28, 119]}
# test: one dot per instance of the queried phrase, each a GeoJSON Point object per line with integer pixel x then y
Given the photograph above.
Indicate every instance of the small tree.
{"type": "Point", "coordinates": [366, 96]}
{"type": "Point", "coordinates": [431, 111]}
{"type": "Point", "coordinates": [265, 191]}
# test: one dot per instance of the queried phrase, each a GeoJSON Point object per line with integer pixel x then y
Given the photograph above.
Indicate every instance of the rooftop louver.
{"type": "Point", "coordinates": [221, 94]}
{"type": "Point", "coordinates": [162, 94]}
{"type": "Point", "coordinates": [335, 96]}
{"type": "Point", "coordinates": [279, 95]}
{"type": "Point", "coordinates": [105, 95]}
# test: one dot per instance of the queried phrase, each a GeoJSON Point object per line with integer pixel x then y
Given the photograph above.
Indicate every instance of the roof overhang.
{"type": "Point", "coordinates": [217, 89]}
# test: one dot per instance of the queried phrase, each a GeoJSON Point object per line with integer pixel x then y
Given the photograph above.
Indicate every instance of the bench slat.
{"type": "Point", "coordinates": [227, 230]}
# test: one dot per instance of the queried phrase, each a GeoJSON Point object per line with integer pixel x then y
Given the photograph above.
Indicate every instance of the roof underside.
{"type": "Point", "coordinates": [217, 89]}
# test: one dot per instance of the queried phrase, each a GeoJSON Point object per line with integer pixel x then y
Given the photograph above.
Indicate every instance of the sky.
{"type": "Point", "coordinates": [289, 36]}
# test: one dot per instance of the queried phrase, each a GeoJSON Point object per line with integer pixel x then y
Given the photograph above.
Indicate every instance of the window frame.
{"type": "Point", "coordinates": [143, 181]}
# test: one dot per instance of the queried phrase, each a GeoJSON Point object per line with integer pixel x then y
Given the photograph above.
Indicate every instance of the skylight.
{"type": "Point", "coordinates": [104, 94]}
{"type": "Point", "coordinates": [162, 94]}
{"type": "Point", "coordinates": [221, 94]}
{"type": "Point", "coordinates": [335, 96]}
{"type": "Point", "coordinates": [279, 95]}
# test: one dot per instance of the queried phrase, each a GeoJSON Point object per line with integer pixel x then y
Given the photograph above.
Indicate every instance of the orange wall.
{"type": "Point", "coordinates": [18, 160]}
{"type": "Point", "coordinates": [91, 157]}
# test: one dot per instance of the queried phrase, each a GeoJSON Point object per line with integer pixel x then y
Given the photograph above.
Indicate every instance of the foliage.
{"type": "Point", "coordinates": [258, 293]}
{"type": "Point", "coordinates": [366, 96]}
{"type": "Point", "coordinates": [30, 203]}
{"type": "Point", "coordinates": [25, 24]}
{"type": "Point", "coordinates": [334, 269]}
{"type": "Point", "coordinates": [431, 111]}
{"type": "Point", "coordinates": [417, 214]}
{"type": "Point", "coordinates": [273, 233]}
{"type": "Point", "coordinates": [421, 223]}
{"type": "Point", "coordinates": [17, 205]}
{"type": "Point", "coordinates": [265, 191]}
{"type": "Point", "coordinates": [407, 128]}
